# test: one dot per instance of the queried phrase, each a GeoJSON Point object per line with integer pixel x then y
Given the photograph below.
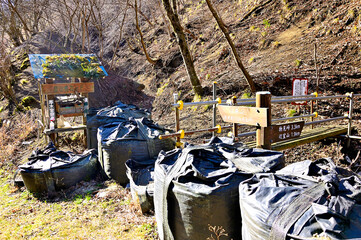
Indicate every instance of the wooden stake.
{"type": "Point", "coordinates": [317, 75]}
{"type": "Point", "coordinates": [349, 127]}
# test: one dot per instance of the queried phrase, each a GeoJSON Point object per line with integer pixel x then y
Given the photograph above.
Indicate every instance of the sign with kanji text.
{"type": "Point", "coordinates": [299, 88]}
{"type": "Point", "coordinates": [286, 131]}
{"type": "Point", "coordinates": [67, 88]}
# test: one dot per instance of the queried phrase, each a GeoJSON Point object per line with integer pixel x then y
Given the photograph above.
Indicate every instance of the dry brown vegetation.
{"type": "Point", "coordinates": [274, 39]}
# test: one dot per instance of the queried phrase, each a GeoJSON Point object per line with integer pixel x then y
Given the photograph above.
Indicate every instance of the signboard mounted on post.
{"type": "Point", "coordinates": [287, 131]}
{"type": "Point", "coordinates": [299, 88]}
{"type": "Point", "coordinates": [244, 115]}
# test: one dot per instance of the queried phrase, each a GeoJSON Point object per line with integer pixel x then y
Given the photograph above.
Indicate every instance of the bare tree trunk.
{"type": "Point", "coordinates": [164, 19]}
{"type": "Point", "coordinates": [141, 13]}
{"type": "Point", "coordinates": [230, 42]}
{"type": "Point", "coordinates": [120, 36]}
{"type": "Point", "coordinates": [187, 58]}
{"type": "Point", "coordinates": [83, 31]}
{"type": "Point", "coordinates": [149, 59]}
{"type": "Point", "coordinates": [15, 10]}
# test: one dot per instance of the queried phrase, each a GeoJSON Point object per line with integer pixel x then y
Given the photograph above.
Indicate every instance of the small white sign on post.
{"type": "Point", "coordinates": [299, 88]}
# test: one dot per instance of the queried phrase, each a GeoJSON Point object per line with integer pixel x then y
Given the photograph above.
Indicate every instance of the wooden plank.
{"type": "Point", "coordinates": [282, 132]}
{"type": "Point", "coordinates": [244, 115]}
{"type": "Point", "coordinates": [67, 88]}
{"type": "Point", "coordinates": [308, 136]}
{"type": "Point", "coordinates": [71, 115]}
{"type": "Point", "coordinates": [57, 130]}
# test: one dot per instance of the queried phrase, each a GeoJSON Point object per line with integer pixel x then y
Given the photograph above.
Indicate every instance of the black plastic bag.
{"type": "Point", "coordinates": [196, 188]}
{"type": "Point", "coordinates": [303, 200]}
{"type": "Point", "coordinates": [119, 112]}
{"type": "Point", "coordinates": [50, 170]}
{"type": "Point", "coordinates": [141, 179]}
{"type": "Point", "coordinates": [136, 139]}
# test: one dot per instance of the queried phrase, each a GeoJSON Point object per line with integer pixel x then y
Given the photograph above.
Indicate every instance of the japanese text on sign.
{"type": "Point", "coordinates": [287, 131]}
{"type": "Point", "coordinates": [300, 88]}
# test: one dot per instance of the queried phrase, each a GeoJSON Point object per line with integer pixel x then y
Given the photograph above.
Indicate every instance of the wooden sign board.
{"type": "Point", "coordinates": [287, 131]}
{"type": "Point", "coordinates": [244, 115]}
{"type": "Point", "coordinates": [67, 88]}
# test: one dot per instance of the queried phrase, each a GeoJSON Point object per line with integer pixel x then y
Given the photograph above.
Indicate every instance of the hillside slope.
{"type": "Point", "coordinates": [276, 42]}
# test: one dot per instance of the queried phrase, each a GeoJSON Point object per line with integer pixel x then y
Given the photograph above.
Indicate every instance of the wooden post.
{"type": "Point", "coordinates": [177, 125]}
{"type": "Point", "coordinates": [317, 75]}
{"type": "Point", "coordinates": [235, 125]}
{"type": "Point", "coordinates": [214, 107]}
{"type": "Point", "coordinates": [349, 127]}
{"type": "Point", "coordinates": [42, 106]}
{"type": "Point", "coordinates": [52, 114]}
{"type": "Point", "coordinates": [311, 112]}
{"type": "Point", "coordinates": [263, 134]}
{"type": "Point", "coordinates": [86, 111]}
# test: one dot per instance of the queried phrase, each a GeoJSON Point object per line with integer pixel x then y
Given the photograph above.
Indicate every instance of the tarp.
{"type": "Point", "coordinates": [50, 170]}
{"type": "Point", "coordinates": [196, 188]}
{"type": "Point", "coordinates": [37, 60]}
{"type": "Point", "coordinates": [136, 139]}
{"type": "Point", "coordinates": [119, 112]}
{"type": "Point", "coordinates": [305, 200]}
{"type": "Point", "coordinates": [141, 179]}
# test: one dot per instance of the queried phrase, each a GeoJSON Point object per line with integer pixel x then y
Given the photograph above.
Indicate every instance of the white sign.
{"type": "Point", "coordinates": [300, 87]}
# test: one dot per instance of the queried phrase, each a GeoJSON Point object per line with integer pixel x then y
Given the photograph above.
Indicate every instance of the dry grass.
{"type": "Point", "coordinates": [13, 132]}
{"type": "Point", "coordinates": [89, 210]}
{"type": "Point", "coordinates": [83, 216]}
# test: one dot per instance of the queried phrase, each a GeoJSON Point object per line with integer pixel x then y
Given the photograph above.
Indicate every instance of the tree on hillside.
{"type": "Point", "coordinates": [20, 19]}
{"type": "Point", "coordinates": [225, 31]}
{"type": "Point", "coordinates": [116, 48]}
{"type": "Point", "coordinates": [149, 59]}
{"type": "Point", "coordinates": [171, 10]}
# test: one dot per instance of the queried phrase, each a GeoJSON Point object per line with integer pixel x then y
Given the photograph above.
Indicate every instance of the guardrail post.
{"type": "Point", "coordinates": [177, 125]}
{"type": "Point", "coordinates": [349, 127]}
{"type": "Point", "coordinates": [263, 134]}
{"type": "Point", "coordinates": [235, 125]}
{"type": "Point", "coordinates": [214, 107]}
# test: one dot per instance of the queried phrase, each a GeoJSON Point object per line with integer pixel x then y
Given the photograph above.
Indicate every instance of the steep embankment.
{"type": "Point", "coordinates": [274, 38]}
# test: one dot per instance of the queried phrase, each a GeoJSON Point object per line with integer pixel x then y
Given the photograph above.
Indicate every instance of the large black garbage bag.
{"type": "Point", "coordinates": [50, 170]}
{"type": "Point", "coordinates": [141, 179]}
{"type": "Point", "coordinates": [196, 188]}
{"type": "Point", "coordinates": [302, 201]}
{"type": "Point", "coordinates": [137, 139]}
{"type": "Point", "coordinates": [119, 112]}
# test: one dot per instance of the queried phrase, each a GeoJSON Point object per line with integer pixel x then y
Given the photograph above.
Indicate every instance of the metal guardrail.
{"type": "Point", "coordinates": [326, 120]}
{"type": "Point", "coordinates": [179, 105]}
{"type": "Point", "coordinates": [295, 117]}
{"type": "Point", "coordinates": [252, 101]}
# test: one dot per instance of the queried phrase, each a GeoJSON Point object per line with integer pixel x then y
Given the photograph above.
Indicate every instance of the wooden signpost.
{"type": "Point", "coordinates": [52, 109]}
{"type": "Point", "coordinates": [260, 116]}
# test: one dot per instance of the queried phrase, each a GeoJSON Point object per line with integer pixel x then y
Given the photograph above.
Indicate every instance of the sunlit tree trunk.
{"type": "Point", "coordinates": [183, 46]}
{"type": "Point", "coordinates": [149, 59]}
{"type": "Point", "coordinates": [231, 45]}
